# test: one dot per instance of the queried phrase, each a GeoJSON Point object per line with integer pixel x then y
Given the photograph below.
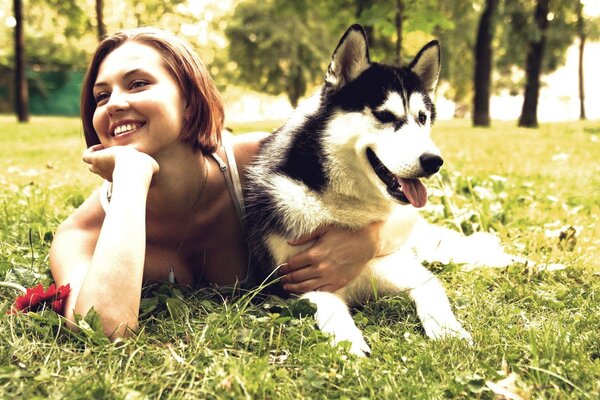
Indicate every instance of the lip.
{"type": "Point", "coordinates": [122, 122]}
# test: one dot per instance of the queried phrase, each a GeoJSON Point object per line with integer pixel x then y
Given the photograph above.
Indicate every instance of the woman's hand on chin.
{"type": "Point", "coordinates": [106, 162]}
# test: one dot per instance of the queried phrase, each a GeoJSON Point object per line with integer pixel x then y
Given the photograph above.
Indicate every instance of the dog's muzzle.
{"type": "Point", "coordinates": [404, 190]}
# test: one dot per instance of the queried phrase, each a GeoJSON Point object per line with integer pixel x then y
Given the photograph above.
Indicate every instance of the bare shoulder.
{"type": "Point", "coordinates": [245, 146]}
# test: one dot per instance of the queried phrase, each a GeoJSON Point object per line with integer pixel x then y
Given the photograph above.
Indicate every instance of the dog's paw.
{"type": "Point", "coordinates": [437, 330]}
{"type": "Point", "coordinates": [358, 345]}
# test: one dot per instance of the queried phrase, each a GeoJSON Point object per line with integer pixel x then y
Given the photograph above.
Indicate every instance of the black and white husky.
{"type": "Point", "coordinates": [353, 154]}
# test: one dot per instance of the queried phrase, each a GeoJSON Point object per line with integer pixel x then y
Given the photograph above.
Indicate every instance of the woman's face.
{"type": "Point", "coordinates": [138, 102]}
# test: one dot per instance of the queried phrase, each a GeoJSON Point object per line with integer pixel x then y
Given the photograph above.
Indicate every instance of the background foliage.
{"type": "Point", "coordinates": [270, 46]}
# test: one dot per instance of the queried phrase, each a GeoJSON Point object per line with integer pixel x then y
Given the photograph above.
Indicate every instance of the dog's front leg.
{"type": "Point", "coordinates": [402, 272]}
{"type": "Point", "coordinates": [333, 317]}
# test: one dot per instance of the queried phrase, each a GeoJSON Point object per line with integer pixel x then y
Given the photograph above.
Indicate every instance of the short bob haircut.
{"type": "Point", "coordinates": [202, 126]}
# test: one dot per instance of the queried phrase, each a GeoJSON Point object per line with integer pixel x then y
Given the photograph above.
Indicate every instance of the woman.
{"type": "Point", "coordinates": [152, 120]}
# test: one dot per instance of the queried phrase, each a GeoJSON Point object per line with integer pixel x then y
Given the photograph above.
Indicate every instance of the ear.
{"type": "Point", "coordinates": [350, 58]}
{"type": "Point", "coordinates": [426, 65]}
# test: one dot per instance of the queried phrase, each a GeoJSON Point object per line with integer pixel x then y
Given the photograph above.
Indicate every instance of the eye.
{"type": "Point", "coordinates": [384, 117]}
{"type": "Point", "coordinates": [422, 118]}
{"type": "Point", "coordinates": [138, 83]}
{"type": "Point", "coordinates": [101, 97]}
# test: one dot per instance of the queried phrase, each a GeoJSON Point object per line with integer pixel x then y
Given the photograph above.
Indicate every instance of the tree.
{"type": "Point", "coordinates": [399, 23]}
{"type": "Point", "coordinates": [100, 19]}
{"type": "Point", "coordinates": [483, 65]}
{"type": "Point", "coordinates": [533, 68]}
{"type": "Point", "coordinates": [582, 37]}
{"type": "Point", "coordinates": [458, 61]}
{"type": "Point", "coordinates": [21, 95]}
{"type": "Point", "coordinates": [275, 60]}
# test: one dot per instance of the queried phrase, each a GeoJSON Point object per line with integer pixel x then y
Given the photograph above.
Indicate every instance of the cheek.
{"type": "Point", "coordinates": [99, 123]}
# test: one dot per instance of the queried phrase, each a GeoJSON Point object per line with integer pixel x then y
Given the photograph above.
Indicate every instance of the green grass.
{"type": "Point", "coordinates": [536, 329]}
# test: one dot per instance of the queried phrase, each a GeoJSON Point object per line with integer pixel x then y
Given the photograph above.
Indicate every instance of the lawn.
{"type": "Point", "coordinates": [536, 326]}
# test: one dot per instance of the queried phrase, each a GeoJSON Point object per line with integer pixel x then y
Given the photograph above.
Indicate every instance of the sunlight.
{"type": "Point", "coordinates": [591, 8]}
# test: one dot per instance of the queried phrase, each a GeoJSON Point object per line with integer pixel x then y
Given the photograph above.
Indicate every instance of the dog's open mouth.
{"type": "Point", "coordinates": [400, 189]}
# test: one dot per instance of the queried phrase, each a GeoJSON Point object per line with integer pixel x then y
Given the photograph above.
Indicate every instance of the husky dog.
{"type": "Point", "coordinates": [353, 154]}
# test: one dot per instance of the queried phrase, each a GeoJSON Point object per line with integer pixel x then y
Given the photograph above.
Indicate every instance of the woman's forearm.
{"type": "Point", "coordinates": [113, 282]}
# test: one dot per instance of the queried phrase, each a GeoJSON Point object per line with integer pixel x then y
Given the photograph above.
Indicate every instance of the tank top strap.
{"type": "Point", "coordinates": [232, 179]}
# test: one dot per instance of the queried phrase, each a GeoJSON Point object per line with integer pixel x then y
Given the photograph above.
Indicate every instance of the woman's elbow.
{"type": "Point", "coordinates": [114, 325]}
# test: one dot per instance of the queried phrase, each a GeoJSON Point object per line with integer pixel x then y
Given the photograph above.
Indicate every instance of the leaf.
{"type": "Point", "coordinates": [148, 304]}
{"type": "Point", "coordinates": [91, 327]}
{"type": "Point", "coordinates": [92, 319]}
{"type": "Point", "coordinates": [301, 308]}
{"type": "Point", "coordinates": [177, 308]}
{"type": "Point", "coordinates": [506, 388]}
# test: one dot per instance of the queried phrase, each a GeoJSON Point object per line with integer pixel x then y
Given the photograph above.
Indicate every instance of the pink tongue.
{"type": "Point", "coordinates": [415, 192]}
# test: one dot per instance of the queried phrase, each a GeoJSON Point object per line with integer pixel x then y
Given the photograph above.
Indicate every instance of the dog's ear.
{"type": "Point", "coordinates": [350, 58]}
{"type": "Point", "coordinates": [427, 64]}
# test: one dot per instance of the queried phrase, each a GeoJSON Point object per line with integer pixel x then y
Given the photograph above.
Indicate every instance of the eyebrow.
{"type": "Point", "coordinates": [125, 76]}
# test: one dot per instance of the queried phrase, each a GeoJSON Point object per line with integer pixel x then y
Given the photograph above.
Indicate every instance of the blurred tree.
{"type": "Point", "coordinates": [416, 21]}
{"type": "Point", "coordinates": [587, 28]}
{"type": "Point", "coordinates": [545, 29]}
{"type": "Point", "coordinates": [483, 64]}
{"type": "Point", "coordinates": [278, 59]}
{"type": "Point", "coordinates": [582, 37]}
{"type": "Point", "coordinates": [533, 68]}
{"type": "Point", "coordinates": [59, 36]}
{"type": "Point", "coordinates": [275, 60]}
{"type": "Point", "coordinates": [100, 25]}
{"type": "Point", "coordinates": [21, 95]}
{"type": "Point", "coordinates": [399, 24]}
{"type": "Point", "coordinates": [155, 12]}
{"type": "Point", "coordinates": [458, 42]}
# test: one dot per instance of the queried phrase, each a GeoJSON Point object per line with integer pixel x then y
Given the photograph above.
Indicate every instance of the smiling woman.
{"type": "Point", "coordinates": [171, 57]}
{"type": "Point", "coordinates": [172, 206]}
{"type": "Point", "coordinates": [133, 76]}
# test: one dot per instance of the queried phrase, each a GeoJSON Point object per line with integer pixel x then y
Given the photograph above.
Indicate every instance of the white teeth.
{"type": "Point", "coordinates": [124, 128]}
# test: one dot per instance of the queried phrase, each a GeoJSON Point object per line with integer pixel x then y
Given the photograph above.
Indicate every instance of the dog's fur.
{"type": "Point", "coordinates": [351, 155]}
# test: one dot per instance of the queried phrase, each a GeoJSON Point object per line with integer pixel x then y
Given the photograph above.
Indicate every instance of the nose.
{"type": "Point", "coordinates": [430, 163]}
{"type": "Point", "coordinates": [116, 102]}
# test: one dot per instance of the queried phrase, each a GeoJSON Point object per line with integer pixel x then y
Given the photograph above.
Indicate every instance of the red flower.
{"type": "Point", "coordinates": [37, 298]}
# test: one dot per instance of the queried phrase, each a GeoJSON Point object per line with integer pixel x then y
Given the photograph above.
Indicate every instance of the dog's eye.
{"type": "Point", "coordinates": [422, 118]}
{"type": "Point", "coordinates": [384, 116]}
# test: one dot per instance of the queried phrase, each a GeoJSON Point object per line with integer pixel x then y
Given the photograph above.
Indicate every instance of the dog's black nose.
{"type": "Point", "coordinates": [431, 163]}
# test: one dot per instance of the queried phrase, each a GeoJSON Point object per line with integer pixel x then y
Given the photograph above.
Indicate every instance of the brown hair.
{"type": "Point", "coordinates": [202, 127]}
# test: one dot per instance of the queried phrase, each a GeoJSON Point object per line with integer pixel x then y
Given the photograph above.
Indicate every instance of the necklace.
{"type": "Point", "coordinates": [187, 227]}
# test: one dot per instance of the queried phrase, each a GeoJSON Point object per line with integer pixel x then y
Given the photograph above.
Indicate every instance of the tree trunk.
{"type": "Point", "coordinates": [100, 19]}
{"type": "Point", "coordinates": [582, 38]}
{"type": "Point", "coordinates": [535, 56]}
{"type": "Point", "coordinates": [483, 65]}
{"type": "Point", "coordinates": [361, 6]}
{"type": "Point", "coordinates": [399, 20]}
{"type": "Point", "coordinates": [21, 95]}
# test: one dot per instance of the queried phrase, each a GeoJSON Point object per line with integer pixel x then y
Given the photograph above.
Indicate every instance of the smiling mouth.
{"type": "Point", "coordinates": [126, 128]}
{"type": "Point", "coordinates": [404, 190]}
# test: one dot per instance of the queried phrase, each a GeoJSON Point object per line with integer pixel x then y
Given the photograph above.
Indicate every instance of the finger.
{"type": "Point", "coordinates": [300, 260]}
{"type": "Point", "coordinates": [96, 147]}
{"type": "Point", "coordinates": [87, 153]}
{"type": "Point", "coordinates": [294, 263]}
{"type": "Point", "coordinates": [301, 275]}
{"type": "Point", "coordinates": [304, 239]}
{"type": "Point", "coordinates": [302, 287]}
